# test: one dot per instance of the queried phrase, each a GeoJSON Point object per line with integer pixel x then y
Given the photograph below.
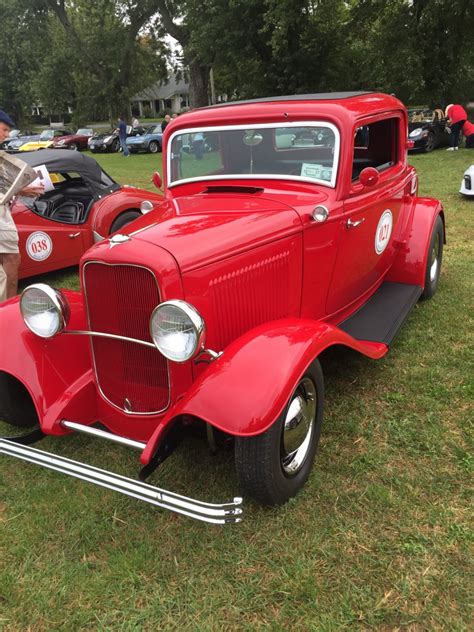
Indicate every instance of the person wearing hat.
{"type": "Point", "coordinates": [9, 252]}
{"type": "Point", "coordinates": [456, 116]}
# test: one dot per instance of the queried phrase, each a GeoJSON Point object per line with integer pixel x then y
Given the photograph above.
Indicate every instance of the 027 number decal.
{"type": "Point", "coordinates": [39, 246]}
{"type": "Point", "coordinates": [383, 232]}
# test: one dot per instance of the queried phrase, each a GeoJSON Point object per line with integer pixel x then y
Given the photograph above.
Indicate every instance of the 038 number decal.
{"type": "Point", "coordinates": [39, 246]}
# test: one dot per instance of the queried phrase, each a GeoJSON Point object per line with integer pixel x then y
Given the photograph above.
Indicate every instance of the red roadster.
{"type": "Point", "coordinates": [85, 206]}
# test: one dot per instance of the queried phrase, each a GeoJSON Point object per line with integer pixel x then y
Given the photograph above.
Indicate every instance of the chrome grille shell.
{"type": "Point", "coordinates": [119, 299]}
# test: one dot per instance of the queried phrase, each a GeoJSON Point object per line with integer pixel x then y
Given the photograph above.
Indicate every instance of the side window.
{"type": "Point", "coordinates": [375, 145]}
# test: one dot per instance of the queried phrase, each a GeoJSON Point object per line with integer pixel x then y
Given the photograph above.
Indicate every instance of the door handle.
{"type": "Point", "coordinates": [73, 235]}
{"type": "Point", "coordinates": [351, 224]}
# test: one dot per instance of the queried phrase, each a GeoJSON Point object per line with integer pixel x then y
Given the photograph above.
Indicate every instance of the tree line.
{"type": "Point", "coordinates": [96, 54]}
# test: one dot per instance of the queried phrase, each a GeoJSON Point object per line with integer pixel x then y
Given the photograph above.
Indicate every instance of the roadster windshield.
{"type": "Point", "coordinates": [295, 151]}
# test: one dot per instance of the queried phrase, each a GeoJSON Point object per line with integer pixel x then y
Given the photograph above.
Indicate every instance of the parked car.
{"type": "Point", "coordinates": [85, 206]}
{"type": "Point", "coordinates": [428, 129]}
{"type": "Point", "coordinates": [77, 141]}
{"type": "Point", "coordinates": [45, 140]}
{"type": "Point", "coordinates": [148, 140]}
{"type": "Point", "coordinates": [467, 184]}
{"type": "Point", "coordinates": [109, 141]}
{"type": "Point", "coordinates": [13, 135]}
{"type": "Point", "coordinates": [13, 144]}
{"type": "Point", "coordinates": [211, 311]}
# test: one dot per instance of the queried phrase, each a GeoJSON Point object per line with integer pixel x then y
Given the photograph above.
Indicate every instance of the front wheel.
{"type": "Point", "coordinates": [123, 220]}
{"type": "Point", "coordinates": [435, 257]}
{"type": "Point", "coordinates": [153, 147]}
{"type": "Point", "coordinates": [273, 466]}
{"type": "Point", "coordinates": [430, 142]}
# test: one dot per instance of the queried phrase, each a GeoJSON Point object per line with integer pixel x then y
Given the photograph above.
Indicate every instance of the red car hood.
{"type": "Point", "coordinates": [200, 229]}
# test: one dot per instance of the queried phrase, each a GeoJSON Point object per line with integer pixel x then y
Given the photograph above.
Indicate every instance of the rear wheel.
{"type": "Point", "coordinates": [435, 257]}
{"type": "Point", "coordinates": [123, 220]}
{"type": "Point", "coordinates": [273, 466]}
{"type": "Point", "coordinates": [154, 147]}
{"type": "Point", "coordinates": [115, 145]}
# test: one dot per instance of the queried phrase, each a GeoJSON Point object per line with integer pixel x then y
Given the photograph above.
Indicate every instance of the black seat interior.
{"type": "Point", "coordinates": [68, 203]}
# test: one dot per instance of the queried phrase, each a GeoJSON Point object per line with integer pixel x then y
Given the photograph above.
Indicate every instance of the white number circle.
{"type": "Point", "coordinates": [39, 246]}
{"type": "Point", "coordinates": [383, 232]}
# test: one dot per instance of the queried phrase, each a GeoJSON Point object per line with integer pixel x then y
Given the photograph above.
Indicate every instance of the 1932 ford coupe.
{"type": "Point", "coordinates": [300, 229]}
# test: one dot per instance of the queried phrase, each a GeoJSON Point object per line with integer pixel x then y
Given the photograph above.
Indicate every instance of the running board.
{"type": "Point", "coordinates": [206, 512]}
{"type": "Point", "coordinates": [380, 319]}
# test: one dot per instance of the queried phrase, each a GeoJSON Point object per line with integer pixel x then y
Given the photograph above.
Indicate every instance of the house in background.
{"type": "Point", "coordinates": [170, 96]}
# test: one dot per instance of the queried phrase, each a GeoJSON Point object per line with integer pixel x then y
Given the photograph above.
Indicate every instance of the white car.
{"type": "Point", "coordinates": [467, 184]}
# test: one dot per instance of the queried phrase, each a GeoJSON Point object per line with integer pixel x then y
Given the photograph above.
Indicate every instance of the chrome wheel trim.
{"type": "Point", "coordinates": [298, 427]}
{"type": "Point", "coordinates": [435, 259]}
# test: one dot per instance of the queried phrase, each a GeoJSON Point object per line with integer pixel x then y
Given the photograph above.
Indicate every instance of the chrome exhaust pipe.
{"type": "Point", "coordinates": [206, 512]}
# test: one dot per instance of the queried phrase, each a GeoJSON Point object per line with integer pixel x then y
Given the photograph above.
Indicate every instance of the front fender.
{"type": "Point", "coordinates": [410, 264]}
{"type": "Point", "coordinates": [50, 370]}
{"type": "Point", "coordinates": [246, 389]}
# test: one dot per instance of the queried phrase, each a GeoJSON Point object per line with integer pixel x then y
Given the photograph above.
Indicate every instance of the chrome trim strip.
{"type": "Point", "coordinates": [206, 512]}
{"type": "Point", "coordinates": [143, 342]}
{"type": "Point", "coordinates": [101, 334]}
{"type": "Point", "coordinates": [103, 434]}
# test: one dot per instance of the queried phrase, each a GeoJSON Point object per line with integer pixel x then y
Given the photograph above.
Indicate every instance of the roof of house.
{"type": "Point", "coordinates": [163, 89]}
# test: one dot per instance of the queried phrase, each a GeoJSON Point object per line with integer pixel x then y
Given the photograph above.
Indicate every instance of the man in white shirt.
{"type": "Point", "coordinates": [9, 252]}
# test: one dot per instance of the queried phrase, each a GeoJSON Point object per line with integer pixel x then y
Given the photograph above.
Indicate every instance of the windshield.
{"type": "Point", "coordinates": [47, 134]}
{"type": "Point", "coordinates": [295, 151]}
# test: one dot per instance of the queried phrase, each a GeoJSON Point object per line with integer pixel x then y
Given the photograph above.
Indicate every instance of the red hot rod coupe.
{"type": "Point", "coordinates": [298, 229]}
{"type": "Point", "coordinates": [85, 206]}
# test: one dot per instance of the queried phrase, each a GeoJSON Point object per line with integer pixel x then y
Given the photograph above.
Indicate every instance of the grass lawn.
{"type": "Point", "coordinates": [381, 537]}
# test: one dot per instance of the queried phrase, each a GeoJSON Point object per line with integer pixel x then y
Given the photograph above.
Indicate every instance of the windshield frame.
{"type": "Point", "coordinates": [257, 176]}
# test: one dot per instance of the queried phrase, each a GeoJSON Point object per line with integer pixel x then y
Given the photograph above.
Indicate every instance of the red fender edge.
{"type": "Point", "coordinates": [246, 389]}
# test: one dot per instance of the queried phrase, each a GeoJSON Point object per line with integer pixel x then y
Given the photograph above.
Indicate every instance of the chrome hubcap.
{"type": "Point", "coordinates": [298, 426]}
{"type": "Point", "coordinates": [434, 260]}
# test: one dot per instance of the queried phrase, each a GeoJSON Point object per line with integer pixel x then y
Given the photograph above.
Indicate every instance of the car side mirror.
{"type": "Point", "coordinates": [156, 179]}
{"type": "Point", "coordinates": [369, 177]}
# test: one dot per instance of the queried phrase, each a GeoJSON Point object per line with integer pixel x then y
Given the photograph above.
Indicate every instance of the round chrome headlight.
{"type": "Point", "coordinates": [178, 330]}
{"type": "Point", "coordinates": [44, 310]}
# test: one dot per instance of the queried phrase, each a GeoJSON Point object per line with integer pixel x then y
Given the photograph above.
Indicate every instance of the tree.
{"type": "Point", "coordinates": [113, 54]}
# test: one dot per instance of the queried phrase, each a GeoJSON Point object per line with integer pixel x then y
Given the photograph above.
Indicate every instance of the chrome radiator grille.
{"type": "Point", "coordinates": [120, 300]}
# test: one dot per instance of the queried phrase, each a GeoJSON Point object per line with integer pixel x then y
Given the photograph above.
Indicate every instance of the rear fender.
{"type": "Point", "coordinates": [410, 263]}
{"type": "Point", "coordinates": [246, 388]}
{"type": "Point", "coordinates": [57, 372]}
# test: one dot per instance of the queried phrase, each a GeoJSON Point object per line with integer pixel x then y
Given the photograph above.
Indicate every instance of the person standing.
{"type": "Point", "coordinates": [165, 122]}
{"type": "Point", "coordinates": [456, 116]}
{"type": "Point", "coordinates": [9, 251]}
{"type": "Point", "coordinates": [468, 131]}
{"type": "Point", "coordinates": [198, 145]}
{"type": "Point", "coordinates": [135, 122]}
{"type": "Point", "coordinates": [122, 134]}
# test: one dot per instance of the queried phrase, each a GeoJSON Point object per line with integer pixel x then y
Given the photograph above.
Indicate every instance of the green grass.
{"type": "Point", "coordinates": [380, 539]}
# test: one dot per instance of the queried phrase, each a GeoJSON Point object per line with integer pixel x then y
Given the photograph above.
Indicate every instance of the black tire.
{"type": "Point", "coordinates": [435, 258]}
{"type": "Point", "coordinates": [122, 220]}
{"type": "Point", "coordinates": [115, 146]}
{"type": "Point", "coordinates": [430, 143]}
{"type": "Point", "coordinates": [273, 470]}
{"type": "Point", "coordinates": [154, 147]}
{"type": "Point", "coordinates": [73, 147]}
{"type": "Point", "coordinates": [16, 405]}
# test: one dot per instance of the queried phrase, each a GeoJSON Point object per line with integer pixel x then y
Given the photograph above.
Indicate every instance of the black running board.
{"type": "Point", "coordinates": [381, 317]}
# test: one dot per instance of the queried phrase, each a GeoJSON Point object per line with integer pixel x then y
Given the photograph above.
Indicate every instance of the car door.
{"type": "Point", "coordinates": [371, 214]}
{"type": "Point", "coordinates": [46, 244]}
